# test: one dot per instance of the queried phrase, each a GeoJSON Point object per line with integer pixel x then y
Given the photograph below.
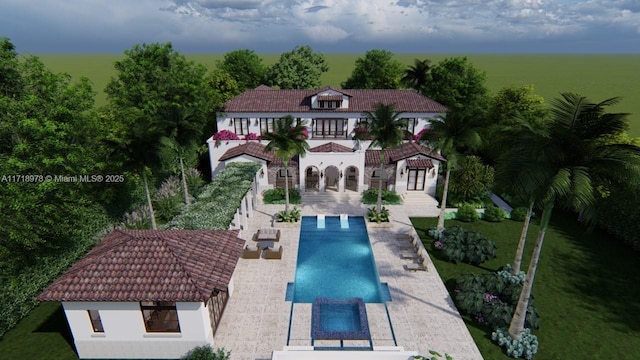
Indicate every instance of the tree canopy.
{"type": "Point", "coordinates": [299, 68]}
{"type": "Point", "coordinates": [417, 76]}
{"type": "Point", "coordinates": [456, 83]}
{"type": "Point", "coordinates": [377, 70]}
{"type": "Point", "coordinates": [245, 67]}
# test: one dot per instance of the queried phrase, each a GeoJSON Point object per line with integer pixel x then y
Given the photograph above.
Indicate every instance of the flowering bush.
{"type": "Point", "coordinates": [418, 136]}
{"type": "Point", "coordinates": [526, 347]}
{"type": "Point", "coordinates": [252, 136]}
{"type": "Point", "coordinates": [224, 135]}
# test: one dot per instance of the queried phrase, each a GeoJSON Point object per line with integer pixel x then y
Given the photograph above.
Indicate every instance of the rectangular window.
{"type": "Point", "coordinates": [281, 173]}
{"type": "Point", "coordinates": [241, 126]}
{"type": "Point", "coordinates": [267, 125]}
{"type": "Point", "coordinates": [96, 322]}
{"type": "Point", "coordinates": [411, 125]}
{"type": "Point", "coordinates": [160, 316]}
{"type": "Point", "coordinates": [329, 128]}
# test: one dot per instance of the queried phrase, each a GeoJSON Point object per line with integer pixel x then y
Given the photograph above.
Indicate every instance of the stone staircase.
{"type": "Point", "coordinates": [416, 198]}
{"type": "Point", "coordinates": [351, 197]}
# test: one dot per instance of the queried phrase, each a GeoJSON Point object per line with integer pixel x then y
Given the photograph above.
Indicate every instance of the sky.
{"type": "Point", "coordinates": [329, 26]}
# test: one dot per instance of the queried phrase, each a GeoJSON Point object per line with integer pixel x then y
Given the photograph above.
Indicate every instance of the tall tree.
{"type": "Point", "coordinates": [387, 130]}
{"type": "Point", "coordinates": [559, 165]}
{"type": "Point", "coordinates": [299, 68]}
{"type": "Point", "coordinates": [153, 88]}
{"type": "Point", "coordinates": [377, 70]}
{"type": "Point", "coordinates": [10, 76]}
{"type": "Point", "coordinates": [50, 137]}
{"type": "Point", "coordinates": [289, 138]}
{"type": "Point", "coordinates": [219, 87]}
{"type": "Point", "coordinates": [457, 84]}
{"type": "Point", "coordinates": [245, 67]}
{"type": "Point", "coordinates": [417, 76]}
{"type": "Point", "coordinates": [450, 135]}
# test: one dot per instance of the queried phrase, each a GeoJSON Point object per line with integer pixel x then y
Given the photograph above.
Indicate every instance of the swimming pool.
{"type": "Point", "coordinates": [335, 262]}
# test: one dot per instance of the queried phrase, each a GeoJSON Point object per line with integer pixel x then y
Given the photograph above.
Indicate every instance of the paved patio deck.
{"type": "Point", "coordinates": [256, 320]}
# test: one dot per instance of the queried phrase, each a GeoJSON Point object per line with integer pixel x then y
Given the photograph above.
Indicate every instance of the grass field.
{"type": "Point", "coordinates": [595, 76]}
{"type": "Point", "coordinates": [585, 288]}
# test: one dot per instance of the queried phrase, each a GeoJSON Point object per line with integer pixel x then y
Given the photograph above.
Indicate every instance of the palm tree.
{"type": "Point", "coordinates": [417, 75]}
{"type": "Point", "coordinates": [387, 131]}
{"type": "Point", "coordinates": [289, 138]}
{"type": "Point", "coordinates": [560, 164]}
{"type": "Point", "coordinates": [184, 127]}
{"type": "Point", "coordinates": [450, 135]}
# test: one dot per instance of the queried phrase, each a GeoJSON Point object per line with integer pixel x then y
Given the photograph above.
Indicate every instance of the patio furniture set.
{"type": "Point", "coordinates": [413, 249]}
{"type": "Point", "coordinates": [266, 246]}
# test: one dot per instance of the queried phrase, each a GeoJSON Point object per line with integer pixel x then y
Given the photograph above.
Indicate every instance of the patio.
{"type": "Point", "coordinates": [257, 317]}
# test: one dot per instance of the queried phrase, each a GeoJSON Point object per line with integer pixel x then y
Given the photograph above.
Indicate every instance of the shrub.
{"type": "Point", "coordinates": [370, 197]}
{"type": "Point", "coordinates": [490, 299]}
{"type": "Point", "coordinates": [493, 214]}
{"type": "Point", "coordinates": [195, 183]}
{"type": "Point", "coordinates": [206, 352]}
{"type": "Point", "coordinates": [293, 215]}
{"type": "Point", "coordinates": [224, 135]}
{"type": "Point", "coordinates": [277, 196]}
{"type": "Point", "coordinates": [526, 347]}
{"type": "Point", "coordinates": [519, 214]}
{"type": "Point", "coordinates": [460, 245]}
{"type": "Point", "coordinates": [472, 182]}
{"type": "Point", "coordinates": [168, 200]}
{"type": "Point", "coordinates": [138, 219]}
{"type": "Point", "coordinates": [216, 206]}
{"type": "Point", "coordinates": [467, 213]}
{"type": "Point", "coordinates": [506, 274]}
{"type": "Point", "coordinates": [379, 217]}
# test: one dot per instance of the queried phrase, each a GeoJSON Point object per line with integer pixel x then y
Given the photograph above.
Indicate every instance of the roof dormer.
{"type": "Point", "coordinates": [330, 98]}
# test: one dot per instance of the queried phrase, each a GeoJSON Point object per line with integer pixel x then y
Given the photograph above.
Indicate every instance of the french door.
{"type": "Point", "coordinates": [416, 179]}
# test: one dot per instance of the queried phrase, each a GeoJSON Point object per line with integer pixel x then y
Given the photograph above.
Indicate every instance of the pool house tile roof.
{"type": "Point", "coordinates": [265, 99]}
{"type": "Point", "coordinates": [151, 265]}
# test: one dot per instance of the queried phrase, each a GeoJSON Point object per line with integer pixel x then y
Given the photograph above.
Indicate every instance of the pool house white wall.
{"type": "Point", "coordinates": [125, 335]}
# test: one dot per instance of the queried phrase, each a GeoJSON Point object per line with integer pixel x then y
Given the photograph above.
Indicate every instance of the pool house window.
{"type": "Point", "coordinates": [160, 316]}
{"type": "Point", "coordinates": [96, 321]}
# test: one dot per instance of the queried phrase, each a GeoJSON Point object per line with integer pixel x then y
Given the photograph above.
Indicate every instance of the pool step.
{"type": "Point", "coordinates": [418, 198]}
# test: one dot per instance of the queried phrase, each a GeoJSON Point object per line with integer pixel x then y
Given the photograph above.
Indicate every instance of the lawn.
{"type": "Point", "coordinates": [595, 76]}
{"type": "Point", "coordinates": [585, 288]}
{"type": "Point", "coordinates": [43, 334]}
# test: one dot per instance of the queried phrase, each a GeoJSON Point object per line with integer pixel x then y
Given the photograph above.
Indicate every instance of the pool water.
{"type": "Point", "coordinates": [340, 318]}
{"type": "Point", "coordinates": [335, 262]}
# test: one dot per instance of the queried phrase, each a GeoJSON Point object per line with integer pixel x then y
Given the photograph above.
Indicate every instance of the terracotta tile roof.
{"type": "Point", "coordinates": [151, 265]}
{"type": "Point", "coordinates": [408, 149]}
{"type": "Point", "coordinates": [419, 164]}
{"type": "Point", "coordinates": [250, 148]}
{"type": "Point", "coordinates": [331, 147]}
{"type": "Point", "coordinates": [264, 99]}
{"type": "Point", "coordinates": [256, 150]}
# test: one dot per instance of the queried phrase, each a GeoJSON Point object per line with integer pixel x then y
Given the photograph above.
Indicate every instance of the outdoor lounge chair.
{"type": "Point", "coordinates": [408, 236]}
{"type": "Point", "coordinates": [420, 265]}
{"type": "Point", "coordinates": [410, 246]}
{"type": "Point", "coordinates": [268, 234]}
{"type": "Point", "coordinates": [273, 252]}
{"type": "Point", "coordinates": [251, 252]}
{"type": "Point", "coordinates": [412, 254]}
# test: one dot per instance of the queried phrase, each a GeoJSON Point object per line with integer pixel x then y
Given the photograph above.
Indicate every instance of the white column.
{"type": "Point", "coordinates": [243, 211]}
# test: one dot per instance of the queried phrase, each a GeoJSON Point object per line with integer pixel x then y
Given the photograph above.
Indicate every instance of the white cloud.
{"type": "Point", "coordinates": [285, 23]}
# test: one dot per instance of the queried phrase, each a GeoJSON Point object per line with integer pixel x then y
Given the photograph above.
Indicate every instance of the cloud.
{"type": "Point", "coordinates": [340, 25]}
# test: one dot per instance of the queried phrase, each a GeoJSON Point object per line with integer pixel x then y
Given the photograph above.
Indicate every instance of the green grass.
{"type": "Point", "coordinates": [43, 334]}
{"type": "Point", "coordinates": [585, 288]}
{"type": "Point", "coordinates": [595, 76]}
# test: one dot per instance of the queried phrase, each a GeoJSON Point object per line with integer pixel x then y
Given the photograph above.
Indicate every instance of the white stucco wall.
{"type": "Point", "coordinates": [125, 335]}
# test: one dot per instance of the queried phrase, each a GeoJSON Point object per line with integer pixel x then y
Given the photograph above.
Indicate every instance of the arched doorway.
{"type": "Point", "coordinates": [331, 178]}
{"type": "Point", "coordinates": [311, 179]}
{"type": "Point", "coordinates": [351, 176]}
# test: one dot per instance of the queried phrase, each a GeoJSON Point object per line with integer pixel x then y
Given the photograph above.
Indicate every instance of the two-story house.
{"type": "Point", "coordinates": [336, 162]}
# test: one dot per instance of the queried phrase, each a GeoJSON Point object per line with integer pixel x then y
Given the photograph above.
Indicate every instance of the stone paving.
{"type": "Point", "coordinates": [256, 319]}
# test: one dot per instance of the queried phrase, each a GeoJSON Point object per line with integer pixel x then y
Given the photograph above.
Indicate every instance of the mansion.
{"type": "Point", "coordinates": [336, 161]}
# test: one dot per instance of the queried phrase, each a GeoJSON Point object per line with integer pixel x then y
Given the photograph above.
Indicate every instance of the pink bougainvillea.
{"type": "Point", "coordinates": [417, 136]}
{"type": "Point", "coordinates": [224, 135]}
{"type": "Point", "coordinates": [252, 136]}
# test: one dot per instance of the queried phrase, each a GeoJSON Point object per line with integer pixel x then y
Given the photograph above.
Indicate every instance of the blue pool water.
{"type": "Point", "coordinates": [335, 263]}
